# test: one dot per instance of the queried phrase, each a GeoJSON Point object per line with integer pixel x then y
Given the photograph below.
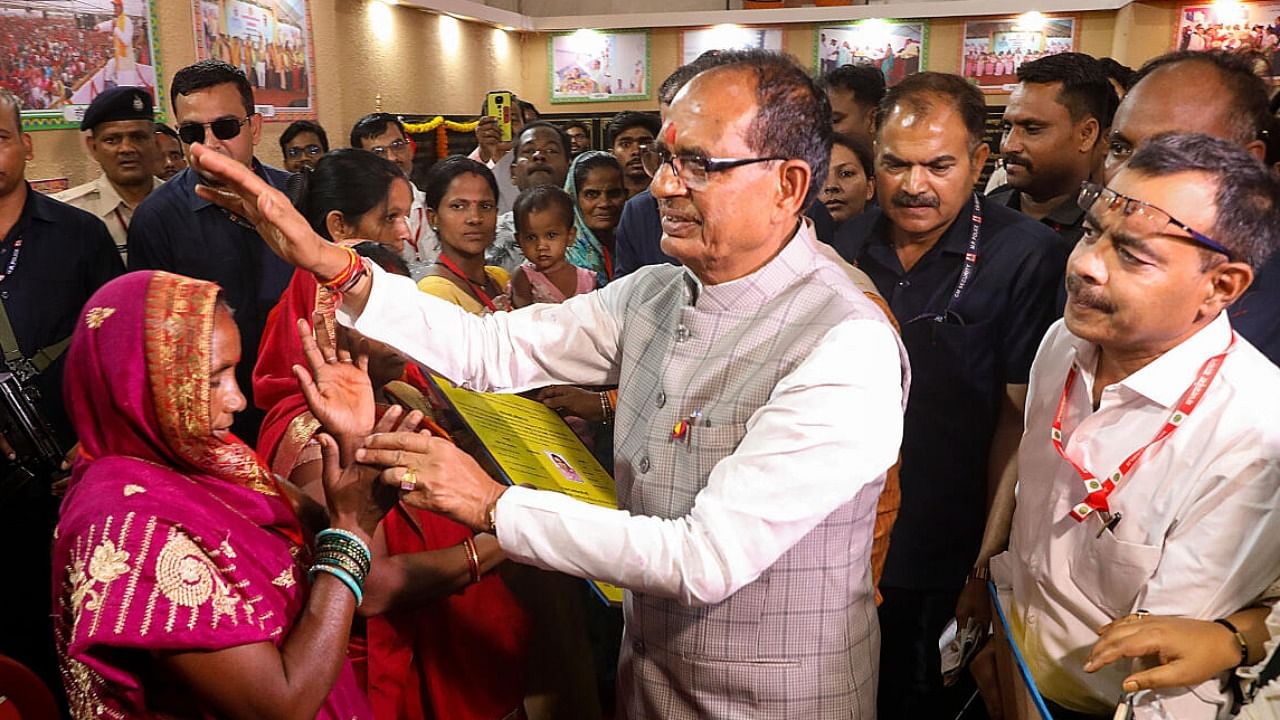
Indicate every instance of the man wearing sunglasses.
{"type": "Point", "coordinates": [972, 284]}
{"type": "Point", "coordinates": [1148, 478]}
{"type": "Point", "coordinates": [177, 231]}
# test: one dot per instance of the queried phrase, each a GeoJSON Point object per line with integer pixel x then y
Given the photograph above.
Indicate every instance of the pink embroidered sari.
{"type": "Point", "coordinates": [169, 539]}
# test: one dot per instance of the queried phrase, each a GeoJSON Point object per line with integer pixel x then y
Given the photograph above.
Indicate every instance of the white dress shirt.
{"type": "Point", "coordinates": [1201, 510]}
{"type": "Point", "coordinates": [421, 253]}
{"type": "Point", "coordinates": [841, 407]}
{"type": "Point", "coordinates": [507, 190]}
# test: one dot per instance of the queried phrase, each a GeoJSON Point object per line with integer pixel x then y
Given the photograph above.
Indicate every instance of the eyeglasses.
{"type": "Point", "coordinates": [223, 129]}
{"type": "Point", "coordinates": [693, 170]}
{"type": "Point", "coordinates": [296, 152]}
{"type": "Point", "coordinates": [396, 146]}
{"type": "Point", "coordinates": [1149, 219]}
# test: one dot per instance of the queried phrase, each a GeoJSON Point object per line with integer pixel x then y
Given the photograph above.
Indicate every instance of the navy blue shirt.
{"type": "Point", "coordinates": [176, 230]}
{"type": "Point", "coordinates": [66, 255]}
{"type": "Point", "coordinates": [959, 370]}
{"type": "Point", "coordinates": [638, 240]}
{"type": "Point", "coordinates": [1256, 315]}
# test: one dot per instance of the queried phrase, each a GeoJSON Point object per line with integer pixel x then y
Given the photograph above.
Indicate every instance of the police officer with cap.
{"type": "Point", "coordinates": [121, 138]}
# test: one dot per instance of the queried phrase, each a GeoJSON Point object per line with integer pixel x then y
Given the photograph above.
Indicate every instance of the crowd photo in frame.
{"type": "Point", "coordinates": [995, 48]}
{"type": "Point", "coordinates": [58, 55]}
{"type": "Point", "coordinates": [270, 41]}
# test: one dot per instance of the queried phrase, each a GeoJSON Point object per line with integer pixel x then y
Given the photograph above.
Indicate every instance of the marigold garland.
{"type": "Point", "coordinates": [440, 126]}
{"type": "Point", "coordinates": [437, 121]}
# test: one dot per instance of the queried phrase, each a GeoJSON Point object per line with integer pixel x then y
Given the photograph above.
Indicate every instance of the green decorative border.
{"type": "Point", "coordinates": [924, 38]}
{"type": "Point", "coordinates": [551, 71]}
{"type": "Point", "coordinates": [35, 120]}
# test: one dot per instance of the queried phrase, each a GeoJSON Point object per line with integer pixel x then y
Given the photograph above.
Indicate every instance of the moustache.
{"type": "Point", "coordinates": [909, 200]}
{"type": "Point", "coordinates": [1017, 160]}
{"type": "Point", "coordinates": [1081, 292]}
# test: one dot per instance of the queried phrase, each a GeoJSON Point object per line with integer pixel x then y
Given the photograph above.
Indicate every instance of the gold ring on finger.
{"type": "Point", "coordinates": [409, 481]}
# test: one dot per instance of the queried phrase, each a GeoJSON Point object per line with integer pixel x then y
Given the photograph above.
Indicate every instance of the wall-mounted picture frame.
{"type": "Point", "coordinates": [598, 66]}
{"type": "Point", "coordinates": [898, 47]}
{"type": "Point", "coordinates": [1241, 27]}
{"type": "Point", "coordinates": [994, 48]}
{"type": "Point", "coordinates": [270, 40]}
{"type": "Point", "coordinates": [728, 37]}
{"type": "Point", "coordinates": [57, 57]}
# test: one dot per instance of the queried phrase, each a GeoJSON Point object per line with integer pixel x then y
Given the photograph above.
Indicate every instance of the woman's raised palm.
{"type": "Point", "coordinates": [337, 387]}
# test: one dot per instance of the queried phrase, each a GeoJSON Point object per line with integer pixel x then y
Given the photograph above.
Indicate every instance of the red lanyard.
{"type": "Point", "coordinates": [120, 218]}
{"type": "Point", "coordinates": [1098, 491]}
{"type": "Point", "coordinates": [417, 235]}
{"type": "Point", "coordinates": [478, 291]}
{"type": "Point", "coordinates": [608, 262]}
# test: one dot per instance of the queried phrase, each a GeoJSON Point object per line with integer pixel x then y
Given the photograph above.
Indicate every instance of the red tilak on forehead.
{"type": "Point", "coordinates": [670, 138]}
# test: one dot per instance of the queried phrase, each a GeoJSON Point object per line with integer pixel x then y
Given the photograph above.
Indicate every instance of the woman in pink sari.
{"type": "Point", "coordinates": [180, 565]}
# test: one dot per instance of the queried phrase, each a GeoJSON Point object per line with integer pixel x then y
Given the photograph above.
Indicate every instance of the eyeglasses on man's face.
{"type": "Point", "coordinates": [223, 129]}
{"type": "Point", "coordinates": [1107, 206]}
{"type": "Point", "coordinates": [297, 151]}
{"type": "Point", "coordinates": [693, 170]}
{"type": "Point", "coordinates": [395, 146]}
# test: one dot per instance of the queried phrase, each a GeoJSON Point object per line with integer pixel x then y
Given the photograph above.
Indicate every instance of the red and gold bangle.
{"type": "Point", "coordinates": [473, 559]}
{"type": "Point", "coordinates": [342, 278]}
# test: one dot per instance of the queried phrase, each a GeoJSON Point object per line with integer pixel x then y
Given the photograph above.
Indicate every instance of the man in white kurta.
{"type": "Point", "coordinates": [744, 533]}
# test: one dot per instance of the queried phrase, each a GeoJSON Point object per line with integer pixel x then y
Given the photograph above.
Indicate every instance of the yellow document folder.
{"type": "Point", "coordinates": [529, 444]}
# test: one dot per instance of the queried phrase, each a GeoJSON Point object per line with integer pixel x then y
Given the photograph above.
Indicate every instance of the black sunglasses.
{"type": "Point", "coordinates": [223, 129]}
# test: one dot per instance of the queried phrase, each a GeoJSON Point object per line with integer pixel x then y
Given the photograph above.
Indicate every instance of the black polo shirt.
{"type": "Point", "coordinates": [1067, 219]}
{"type": "Point", "coordinates": [66, 255]}
{"type": "Point", "coordinates": [959, 370]}
{"type": "Point", "coordinates": [176, 230]}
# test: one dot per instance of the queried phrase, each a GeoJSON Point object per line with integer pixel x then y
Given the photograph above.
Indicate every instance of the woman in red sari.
{"type": "Point", "coordinates": [439, 637]}
{"type": "Point", "coordinates": [180, 565]}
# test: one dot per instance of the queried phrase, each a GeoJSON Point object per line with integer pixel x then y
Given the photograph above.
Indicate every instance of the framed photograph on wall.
{"type": "Point", "coordinates": [598, 66]}
{"type": "Point", "coordinates": [1243, 27]}
{"type": "Point", "coordinates": [695, 42]}
{"type": "Point", "coordinates": [57, 57]}
{"type": "Point", "coordinates": [270, 40]}
{"type": "Point", "coordinates": [898, 47]}
{"type": "Point", "coordinates": [995, 48]}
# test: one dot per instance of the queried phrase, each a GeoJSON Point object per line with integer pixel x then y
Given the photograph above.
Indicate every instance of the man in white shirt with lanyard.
{"type": "Point", "coordinates": [1149, 470]}
{"type": "Point", "coordinates": [383, 134]}
{"type": "Point", "coordinates": [760, 401]}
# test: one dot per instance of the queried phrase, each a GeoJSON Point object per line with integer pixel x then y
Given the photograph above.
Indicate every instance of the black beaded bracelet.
{"type": "Point", "coordinates": [1239, 636]}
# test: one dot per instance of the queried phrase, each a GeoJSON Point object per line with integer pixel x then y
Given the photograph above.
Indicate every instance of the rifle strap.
{"type": "Point", "coordinates": [13, 352]}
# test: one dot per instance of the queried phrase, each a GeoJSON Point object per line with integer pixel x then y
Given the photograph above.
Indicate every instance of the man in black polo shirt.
{"type": "Point", "coordinates": [52, 258]}
{"type": "Point", "coordinates": [972, 284]}
{"type": "Point", "coordinates": [177, 231]}
{"type": "Point", "coordinates": [1055, 128]}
